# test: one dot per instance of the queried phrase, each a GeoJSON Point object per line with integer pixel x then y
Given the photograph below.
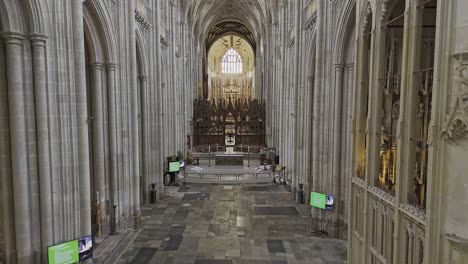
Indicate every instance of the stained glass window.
{"type": "Point", "coordinates": [231, 62]}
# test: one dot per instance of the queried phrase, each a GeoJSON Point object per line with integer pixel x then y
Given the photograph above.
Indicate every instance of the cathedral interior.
{"type": "Point", "coordinates": [234, 131]}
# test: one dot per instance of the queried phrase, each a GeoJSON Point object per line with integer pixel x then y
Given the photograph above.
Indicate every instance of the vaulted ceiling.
{"type": "Point", "coordinates": [230, 28]}
{"type": "Point", "coordinates": [204, 15]}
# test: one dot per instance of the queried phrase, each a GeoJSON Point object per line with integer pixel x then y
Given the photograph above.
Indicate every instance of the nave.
{"type": "Point", "coordinates": [228, 224]}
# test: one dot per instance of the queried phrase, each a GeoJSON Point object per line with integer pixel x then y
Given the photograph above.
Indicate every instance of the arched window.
{"type": "Point", "coordinates": [231, 62]}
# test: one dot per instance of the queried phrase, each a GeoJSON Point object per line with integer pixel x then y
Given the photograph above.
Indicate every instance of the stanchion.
{"type": "Point", "coordinates": [248, 156]}
{"type": "Point", "coordinates": [114, 222]}
{"type": "Point", "coordinates": [300, 194]}
{"type": "Point", "coordinates": [153, 193]}
{"type": "Point", "coordinates": [209, 156]}
{"type": "Point", "coordinates": [98, 219]}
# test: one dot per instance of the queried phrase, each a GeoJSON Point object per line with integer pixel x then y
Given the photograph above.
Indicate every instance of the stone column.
{"type": "Point", "coordinates": [172, 106]}
{"type": "Point", "coordinates": [81, 118]}
{"type": "Point", "coordinates": [135, 171]}
{"type": "Point", "coordinates": [18, 143]}
{"type": "Point", "coordinates": [111, 99]}
{"type": "Point", "coordinates": [348, 118]}
{"type": "Point", "coordinates": [38, 43]}
{"type": "Point", "coordinates": [98, 137]}
{"type": "Point", "coordinates": [6, 186]}
{"type": "Point", "coordinates": [308, 132]}
{"type": "Point", "coordinates": [297, 150]}
{"type": "Point", "coordinates": [338, 103]}
{"type": "Point", "coordinates": [159, 142]}
{"type": "Point", "coordinates": [145, 135]}
{"type": "Point", "coordinates": [318, 104]}
{"type": "Point", "coordinates": [113, 173]}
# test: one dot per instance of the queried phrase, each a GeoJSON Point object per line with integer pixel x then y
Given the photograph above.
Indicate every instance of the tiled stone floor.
{"type": "Point", "coordinates": [230, 224]}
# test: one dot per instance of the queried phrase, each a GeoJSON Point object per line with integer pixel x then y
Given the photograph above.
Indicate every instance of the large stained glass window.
{"type": "Point", "coordinates": [231, 62]}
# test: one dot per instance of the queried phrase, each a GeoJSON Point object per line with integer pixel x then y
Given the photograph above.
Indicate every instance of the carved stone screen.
{"type": "Point", "coordinates": [242, 121]}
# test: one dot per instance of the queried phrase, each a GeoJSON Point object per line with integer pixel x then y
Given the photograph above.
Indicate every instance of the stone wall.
{"type": "Point", "coordinates": [84, 117]}
{"type": "Point", "coordinates": [309, 89]}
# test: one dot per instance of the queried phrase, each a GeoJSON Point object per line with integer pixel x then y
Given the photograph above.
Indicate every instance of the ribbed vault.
{"type": "Point", "coordinates": [252, 16]}
{"type": "Point", "coordinates": [230, 28]}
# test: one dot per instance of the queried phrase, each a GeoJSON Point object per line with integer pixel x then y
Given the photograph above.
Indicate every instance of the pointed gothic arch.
{"type": "Point", "coordinates": [99, 32]}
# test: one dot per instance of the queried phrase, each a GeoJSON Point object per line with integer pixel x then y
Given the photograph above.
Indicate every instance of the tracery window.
{"type": "Point", "coordinates": [231, 62]}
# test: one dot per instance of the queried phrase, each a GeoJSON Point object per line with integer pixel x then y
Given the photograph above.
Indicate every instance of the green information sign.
{"type": "Point", "coordinates": [174, 166]}
{"type": "Point", "coordinates": [64, 253]}
{"type": "Point", "coordinates": [317, 200]}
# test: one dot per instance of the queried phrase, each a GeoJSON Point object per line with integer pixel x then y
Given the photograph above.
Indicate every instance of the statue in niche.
{"type": "Point", "coordinates": [420, 177]}
{"type": "Point", "coordinates": [361, 168]}
{"type": "Point", "coordinates": [421, 110]}
{"type": "Point", "coordinates": [387, 162]}
{"type": "Point", "coordinates": [384, 160]}
{"type": "Point", "coordinates": [417, 186]}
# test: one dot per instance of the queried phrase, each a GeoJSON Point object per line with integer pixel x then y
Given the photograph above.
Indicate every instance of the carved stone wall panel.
{"type": "Point", "coordinates": [456, 124]}
{"type": "Point", "coordinates": [412, 235]}
{"type": "Point", "coordinates": [214, 119]}
{"type": "Point", "coordinates": [381, 226]}
{"type": "Point", "coordinates": [458, 249]}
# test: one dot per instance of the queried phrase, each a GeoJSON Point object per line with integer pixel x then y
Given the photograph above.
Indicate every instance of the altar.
{"type": "Point", "coordinates": [229, 159]}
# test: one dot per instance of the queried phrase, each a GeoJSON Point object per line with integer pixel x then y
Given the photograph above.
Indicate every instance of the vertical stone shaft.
{"type": "Point", "coordinates": [337, 146]}
{"type": "Point", "coordinates": [98, 137]}
{"type": "Point", "coordinates": [82, 116]}
{"type": "Point", "coordinates": [145, 135]}
{"type": "Point", "coordinates": [158, 141]}
{"type": "Point", "coordinates": [134, 110]}
{"type": "Point", "coordinates": [17, 115]}
{"type": "Point", "coordinates": [6, 186]}
{"type": "Point", "coordinates": [38, 43]}
{"type": "Point", "coordinates": [111, 94]}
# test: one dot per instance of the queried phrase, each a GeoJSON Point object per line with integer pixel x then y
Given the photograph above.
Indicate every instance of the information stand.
{"type": "Point", "coordinates": [323, 203]}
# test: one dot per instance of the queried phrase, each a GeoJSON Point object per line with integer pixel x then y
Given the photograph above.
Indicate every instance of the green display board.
{"type": "Point", "coordinates": [174, 166]}
{"type": "Point", "coordinates": [64, 253]}
{"type": "Point", "coordinates": [318, 200]}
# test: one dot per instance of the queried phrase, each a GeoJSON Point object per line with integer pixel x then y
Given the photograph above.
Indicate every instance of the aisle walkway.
{"type": "Point", "coordinates": [230, 224]}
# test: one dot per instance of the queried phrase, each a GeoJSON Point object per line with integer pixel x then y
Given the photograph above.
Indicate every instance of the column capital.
{"type": "Point", "coordinates": [111, 66]}
{"type": "Point", "coordinates": [339, 66]}
{"type": "Point", "coordinates": [38, 39]}
{"type": "Point", "coordinates": [350, 66]}
{"type": "Point", "coordinates": [96, 65]}
{"type": "Point", "coordinates": [12, 38]}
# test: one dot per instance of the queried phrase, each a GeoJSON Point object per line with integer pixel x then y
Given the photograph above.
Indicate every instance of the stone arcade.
{"type": "Point", "coordinates": [366, 100]}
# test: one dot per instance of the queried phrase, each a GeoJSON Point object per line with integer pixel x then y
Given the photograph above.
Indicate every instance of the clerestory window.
{"type": "Point", "coordinates": [231, 62]}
